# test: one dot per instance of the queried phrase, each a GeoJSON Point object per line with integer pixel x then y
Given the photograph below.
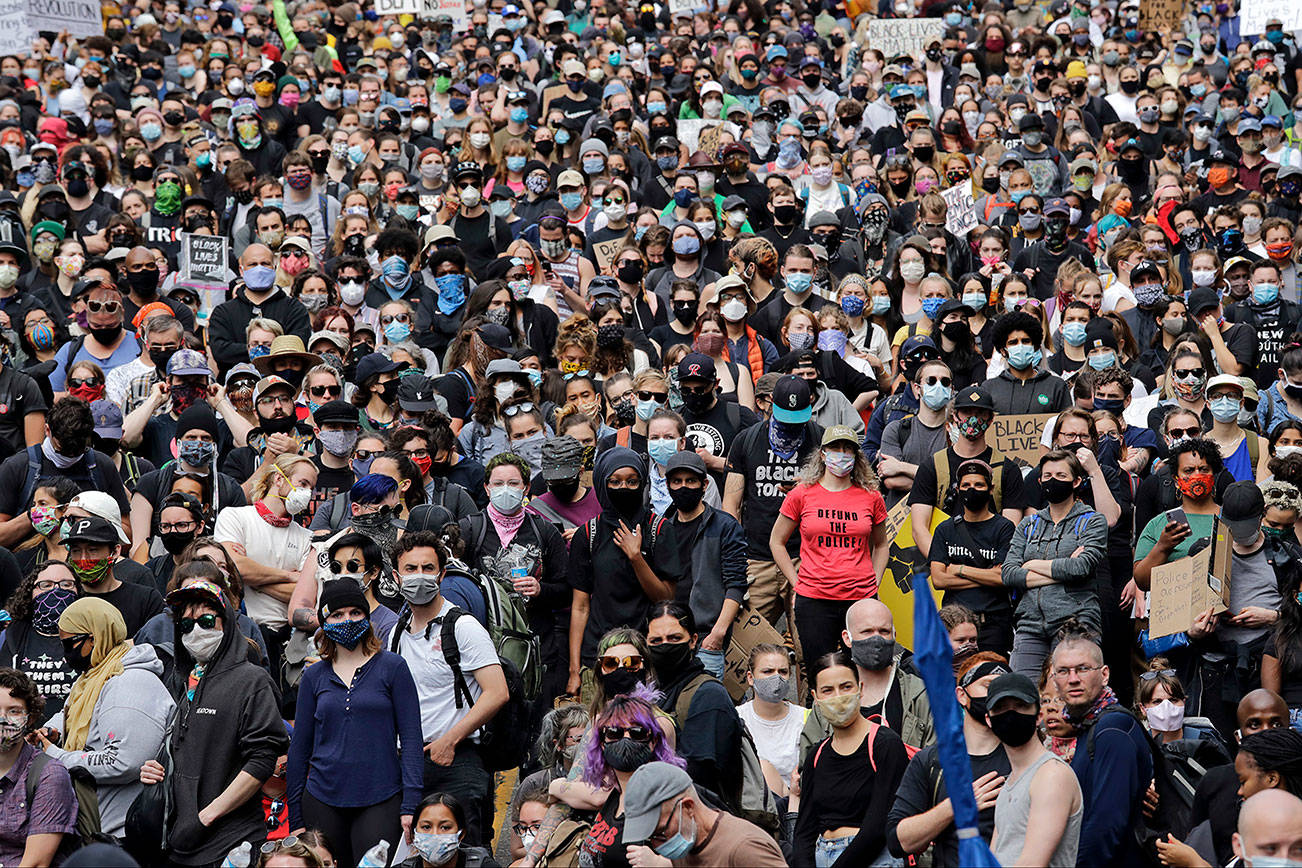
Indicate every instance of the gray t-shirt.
{"type": "Point", "coordinates": [913, 442]}
{"type": "Point", "coordinates": [1253, 583]}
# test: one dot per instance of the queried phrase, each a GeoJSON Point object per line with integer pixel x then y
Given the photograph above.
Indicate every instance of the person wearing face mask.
{"type": "Point", "coordinates": [152, 427]}
{"type": "Point", "coordinates": [105, 342]}
{"type": "Point", "coordinates": [1025, 385]}
{"type": "Point", "coordinates": [773, 721]}
{"type": "Point", "coordinates": [848, 778]}
{"type": "Point", "coordinates": [321, 209]}
{"type": "Point", "coordinates": [712, 423]}
{"type": "Point", "coordinates": [621, 546]}
{"type": "Point", "coordinates": [1238, 447]}
{"type": "Point", "coordinates": [911, 440]}
{"type": "Point", "coordinates": [1052, 559]}
{"type": "Point", "coordinates": [237, 739]}
{"type": "Point", "coordinates": [115, 717]}
{"type": "Point", "coordinates": [922, 814]}
{"type": "Point", "coordinates": [1161, 699]}
{"type": "Point", "coordinates": [1037, 777]}
{"type": "Point", "coordinates": [453, 762]}
{"type": "Point", "coordinates": [903, 402]}
{"type": "Point", "coordinates": [798, 285]}
{"type": "Point", "coordinates": [1271, 317]}
{"type": "Point", "coordinates": [438, 837]}
{"type": "Point", "coordinates": [259, 297]}
{"type": "Point", "coordinates": [386, 783]}
{"type": "Point", "coordinates": [1040, 260]}
{"type": "Point", "coordinates": [967, 556]}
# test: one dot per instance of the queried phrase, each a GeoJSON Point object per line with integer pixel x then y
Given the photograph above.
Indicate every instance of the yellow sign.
{"type": "Point", "coordinates": [895, 589]}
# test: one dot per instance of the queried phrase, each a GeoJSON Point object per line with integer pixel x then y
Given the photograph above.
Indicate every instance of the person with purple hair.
{"type": "Point", "coordinates": [626, 735]}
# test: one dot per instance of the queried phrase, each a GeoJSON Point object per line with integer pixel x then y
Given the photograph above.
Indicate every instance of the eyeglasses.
{"type": "Point", "coordinates": [658, 397]}
{"type": "Point", "coordinates": [268, 400]}
{"type": "Point", "coordinates": [523, 829]}
{"type": "Point", "coordinates": [516, 409]}
{"type": "Point", "coordinates": [417, 453]}
{"type": "Point", "coordinates": [283, 844]}
{"type": "Point", "coordinates": [1082, 671]}
{"type": "Point", "coordinates": [322, 391]}
{"type": "Point", "coordinates": [88, 382]}
{"type": "Point", "coordinates": [1149, 676]}
{"type": "Point", "coordinates": [103, 306]}
{"type": "Point", "coordinates": [49, 585]}
{"type": "Point", "coordinates": [177, 527]}
{"type": "Point", "coordinates": [609, 663]}
{"type": "Point", "coordinates": [615, 733]}
{"type": "Point", "coordinates": [398, 317]}
{"type": "Point", "coordinates": [207, 621]}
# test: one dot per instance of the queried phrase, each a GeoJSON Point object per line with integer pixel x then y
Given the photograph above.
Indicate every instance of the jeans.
{"type": "Point", "coordinates": [828, 850]}
{"type": "Point", "coordinates": [1030, 649]}
{"type": "Point", "coordinates": [468, 780]}
{"type": "Point", "coordinates": [713, 661]}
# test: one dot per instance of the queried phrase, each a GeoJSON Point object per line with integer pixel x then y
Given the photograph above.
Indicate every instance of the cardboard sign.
{"type": "Point", "coordinates": [78, 17]}
{"type": "Point", "coordinates": [399, 7]}
{"type": "Point", "coordinates": [204, 258]}
{"type": "Point", "coordinates": [960, 209]}
{"type": "Point", "coordinates": [903, 35]}
{"type": "Point", "coordinates": [1184, 589]}
{"type": "Point", "coordinates": [750, 629]}
{"type": "Point", "coordinates": [1018, 437]}
{"type": "Point", "coordinates": [1253, 16]}
{"type": "Point", "coordinates": [454, 9]}
{"type": "Point", "coordinates": [605, 252]}
{"type": "Point", "coordinates": [895, 588]}
{"type": "Point", "coordinates": [16, 32]}
{"type": "Point", "coordinates": [1164, 16]}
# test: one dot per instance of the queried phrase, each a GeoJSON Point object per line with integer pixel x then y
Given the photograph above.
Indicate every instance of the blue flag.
{"type": "Point", "coordinates": [934, 659]}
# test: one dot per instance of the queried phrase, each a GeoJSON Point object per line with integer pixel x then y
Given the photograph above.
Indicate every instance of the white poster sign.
{"type": "Point", "coordinates": [15, 30]}
{"type": "Point", "coordinates": [77, 17]}
{"type": "Point", "coordinates": [1253, 16]}
{"type": "Point", "coordinates": [960, 212]}
{"type": "Point", "coordinates": [909, 36]}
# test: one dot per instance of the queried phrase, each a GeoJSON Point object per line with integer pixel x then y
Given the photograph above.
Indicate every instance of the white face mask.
{"type": "Point", "coordinates": [504, 392]}
{"type": "Point", "coordinates": [297, 500]}
{"type": "Point", "coordinates": [912, 272]}
{"type": "Point", "coordinates": [202, 643]}
{"type": "Point", "coordinates": [352, 293]}
{"type": "Point", "coordinates": [734, 310]}
{"type": "Point", "coordinates": [480, 140]}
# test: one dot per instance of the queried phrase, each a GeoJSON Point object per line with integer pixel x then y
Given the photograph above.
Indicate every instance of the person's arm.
{"type": "Point", "coordinates": [732, 562]}
{"type": "Point", "coordinates": [782, 529]}
{"type": "Point", "coordinates": [881, 549]}
{"type": "Point", "coordinates": [138, 738]}
{"type": "Point", "coordinates": [238, 425]}
{"type": "Point", "coordinates": [406, 720]}
{"type": "Point", "coordinates": [300, 745]}
{"type": "Point", "coordinates": [492, 681]}
{"type": "Point", "coordinates": [302, 605]}
{"type": "Point", "coordinates": [34, 433]}
{"type": "Point", "coordinates": [1172, 535]}
{"type": "Point", "coordinates": [142, 519]}
{"type": "Point", "coordinates": [51, 815]}
{"type": "Point", "coordinates": [237, 792]}
{"type": "Point", "coordinates": [734, 485]}
{"type": "Point", "coordinates": [1221, 350]}
{"type": "Point", "coordinates": [630, 543]}
{"type": "Point", "coordinates": [133, 426]}
{"type": "Point", "coordinates": [1104, 502]}
{"type": "Point", "coordinates": [920, 520]}
{"type": "Point", "coordinates": [1053, 792]}
{"type": "Point", "coordinates": [39, 850]}
{"type": "Point", "coordinates": [1013, 572]}
{"type": "Point", "coordinates": [1271, 674]}
{"type": "Point", "coordinates": [1090, 552]}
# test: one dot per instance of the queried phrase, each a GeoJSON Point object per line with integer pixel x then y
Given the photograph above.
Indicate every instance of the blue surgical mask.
{"type": "Point", "coordinates": [881, 305]}
{"type": "Point", "coordinates": [679, 845]}
{"type": "Point", "coordinates": [593, 165]}
{"type": "Point", "coordinates": [516, 163]}
{"type": "Point", "coordinates": [687, 245]}
{"type": "Point", "coordinates": [1102, 362]}
{"type": "Point", "coordinates": [975, 300]}
{"type": "Point", "coordinates": [931, 306]}
{"type": "Point", "coordinates": [799, 282]}
{"type": "Point", "coordinates": [397, 332]}
{"type": "Point", "coordinates": [437, 849]}
{"type": "Point", "coordinates": [1012, 303]}
{"type": "Point", "coordinates": [519, 114]}
{"type": "Point", "coordinates": [1074, 333]}
{"type": "Point", "coordinates": [1264, 293]}
{"type": "Point", "coordinates": [662, 450]}
{"type": "Point", "coordinates": [645, 409]}
{"type": "Point", "coordinates": [936, 396]}
{"type": "Point", "coordinates": [571, 201]}
{"type": "Point", "coordinates": [1023, 356]}
{"type": "Point", "coordinates": [1224, 409]}
{"type": "Point", "coordinates": [655, 108]}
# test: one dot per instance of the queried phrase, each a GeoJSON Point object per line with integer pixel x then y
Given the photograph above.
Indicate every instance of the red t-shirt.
{"type": "Point", "coordinates": [835, 532]}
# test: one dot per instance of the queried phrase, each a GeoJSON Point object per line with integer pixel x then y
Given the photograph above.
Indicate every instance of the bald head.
{"type": "Point", "coordinates": [1270, 825]}
{"type": "Point", "coordinates": [866, 618]}
{"type": "Point", "coordinates": [257, 254]}
{"type": "Point", "coordinates": [1259, 710]}
{"type": "Point", "coordinates": [138, 257]}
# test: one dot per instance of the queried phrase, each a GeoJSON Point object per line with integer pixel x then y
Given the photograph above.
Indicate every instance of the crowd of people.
{"type": "Point", "coordinates": [490, 365]}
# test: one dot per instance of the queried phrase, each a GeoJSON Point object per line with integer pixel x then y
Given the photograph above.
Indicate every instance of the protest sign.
{"type": "Point", "coordinates": [1019, 436]}
{"type": "Point", "coordinates": [15, 31]}
{"type": "Point", "coordinates": [454, 9]}
{"type": "Point", "coordinates": [1184, 589]}
{"type": "Point", "coordinates": [204, 258]}
{"type": "Point", "coordinates": [692, 132]}
{"type": "Point", "coordinates": [685, 8]}
{"type": "Point", "coordinates": [1253, 16]}
{"type": "Point", "coordinates": [605, 252]}
{"type": "Point", "coordinates": [895, 588]}
{"type": "Point", "coordinates": [750, 629]}
{"type": "Point", "coordinates": [960, 211]}
{"type": "Point", "coordinates": [399, 7]}
{"type": "Point", "coordinates": [1161, 16]}
{"type": "Point", "coordinates": [78, 17]}
{"type": "Point", "coordinates": [903, 35]}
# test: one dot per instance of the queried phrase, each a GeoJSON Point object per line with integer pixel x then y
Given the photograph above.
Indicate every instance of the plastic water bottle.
{"type": "Point", "coordinates": [240, 857]}
{"type": "Point", "coordinates": [376, 857]}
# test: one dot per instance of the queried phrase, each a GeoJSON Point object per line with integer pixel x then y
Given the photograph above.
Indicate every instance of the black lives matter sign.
{"type": "Point", "coordinates": [203, 258]}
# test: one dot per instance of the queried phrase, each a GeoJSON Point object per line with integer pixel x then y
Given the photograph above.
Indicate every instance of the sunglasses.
{"type": "Point", "coordinates": [367, 454]}
{"type": "Point", "coordinates": [1178, 433]}
{"type": "Point", "coordinates": [1149, 676]}
{"type": "Point", "coordinates": [1190, 374]}
{"type": "Point", "coordinates": [399, 317]}
{"type": "Point", "coordinates": [696, 390]}
{"type": "Point", "coordinates": [321, 391]}
{"type": "Point", "coordinates": [353, 566]}
{"type": "Point", "coordinates": [516, 409]}
{"type": "Point", "coordinates": [609, 663]}
{"type": "Point", "coordinates": [318, 153]}
{"type": "Point", "coordinates": [615, 733]}
{"type": "Point", "coordinates": [933, 380]}
{"type": "Point", "coordinates": [207, 621]}
{"type": "Point", "coordinates": [658, 397]}
{"type": "Point", "coordinates": [103, 306]}
{"type": "Point", "coordinates": [88, 382]}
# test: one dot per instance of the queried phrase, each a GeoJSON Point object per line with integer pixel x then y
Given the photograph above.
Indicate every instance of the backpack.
{"type": "Point", "coordinates": [88, 826]}
{"type": "Point", "coordinates": [945, 498]}
{"type": "Point", "coordinates": [504, 741]}
{"type": "Point", "coordinates": [34, 474]}
{"type": "Point", "coordinates": [508, 617]}
{"type": "Point", "coordinates": [753, 801]}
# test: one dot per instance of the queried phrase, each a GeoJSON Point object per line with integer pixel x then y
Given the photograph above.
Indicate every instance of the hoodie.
{"type": "Point", "coordinates": [232, 725]}
{"type": "Point", "coordinates": [126, 729]}
{"type": "Point", "coordinates": [618, 599]}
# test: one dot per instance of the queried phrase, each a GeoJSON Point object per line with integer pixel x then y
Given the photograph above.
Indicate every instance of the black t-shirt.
{"type": "Point", "coordinates": [40, 658]}
{"type": "Point", "coordinates": [768, 478]}
{"type": "Point", "coordinates": [923, 787]}
{"type": "Point", "coordinates": [137, 602]}
{"type": "Point", "coordinates": [314, 115]}
{"type": "Point", "coordinates": [329, 482]}
{"type": "Point", "coordinates": [715, 429]}
{"type": "Point", "coordinates": [91, 220]}
{"type": "Point", "coordinates": [19, 396]}
{"type": "Point", "coordinates": [982, 545]}
{"type": "Point", "coordinates": [156, 485]}
{"type": "Point", "coordinates": [1045, 263]}
{"type": "Point", "coordinates": [636, 442]}
{"type": "Point", "coordinates": [1012, 494]}
{"type": "Point", "coordinates": [13, 479]}
{"type": "Point", "coordinates": [603, 846]}
{"type": "Point", "coordinates": [1272, 324]}
{"type": "Point", "coordinates": [481, 238]}
{"type": "Point", "coordinates": [1290, 677]}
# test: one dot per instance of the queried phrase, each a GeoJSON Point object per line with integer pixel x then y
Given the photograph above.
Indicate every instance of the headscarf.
{"type": "Point", "coordinates": [103, 622]}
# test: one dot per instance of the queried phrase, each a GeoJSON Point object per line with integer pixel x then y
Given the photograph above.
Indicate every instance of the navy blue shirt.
{"type": "Point", "coordinates": [345, 744]}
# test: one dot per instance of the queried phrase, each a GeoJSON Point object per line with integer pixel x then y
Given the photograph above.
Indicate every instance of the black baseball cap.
{"type": "Point", "coordinates": [417, 394]}
{"type": "Point", "coordinates": [974, 398]}
{"type": "Point", "coordinates": [792, 401]}
{"type": "Point", "coordinates": [697, 366]}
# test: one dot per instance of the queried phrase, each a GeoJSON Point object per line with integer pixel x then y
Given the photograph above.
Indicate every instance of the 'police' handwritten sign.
{"type": "Point", "coordinates": [1019, 436]}
{"type": "Point", "coordinates": [1184, 589]}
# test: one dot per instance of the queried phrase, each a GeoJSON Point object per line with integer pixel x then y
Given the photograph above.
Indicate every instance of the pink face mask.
{"type": "Point", "coordinates": [922, 185]}
{"type": "Point", "coordinates": [289, 99]}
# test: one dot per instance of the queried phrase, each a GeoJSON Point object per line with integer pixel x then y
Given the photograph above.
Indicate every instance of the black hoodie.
{"type": "Point", "coordinates": [232, 724]}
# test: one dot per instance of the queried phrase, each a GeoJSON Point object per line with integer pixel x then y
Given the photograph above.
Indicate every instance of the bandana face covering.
{"type": "Point", "coordinates": [1198, 486]}
{"type": "Point", "coordinates": [972, 427]}
{"type": "Point", "coordinates": [347, 633]}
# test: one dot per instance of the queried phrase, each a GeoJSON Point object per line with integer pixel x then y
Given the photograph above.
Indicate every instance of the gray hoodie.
{"type": "Point", "coordinates": [126, 729]}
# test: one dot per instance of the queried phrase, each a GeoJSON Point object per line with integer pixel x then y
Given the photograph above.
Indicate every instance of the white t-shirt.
{"type": "Point", "coordinates": [777, 741]}
{"type": "Point", "coordinates": [285, 548]}
{"type": "Point", "coordinates": [434, 685]}
{"type": "Point", "coordinates": [1113, 294]}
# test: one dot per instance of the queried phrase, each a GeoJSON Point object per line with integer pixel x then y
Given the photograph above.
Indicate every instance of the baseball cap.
{"type": "Point", "coordinates": [792, 401]}
{"type": "Point", "coordinates": [370, 365]}
{"type": "Point", "coordinates": [688, 461]}
{"type": "Point", "coordinates": [697, 366]}
{"type": "Point", "coordinates": [1057, 206]}
{"type": "Point", "coordinates": [185, 363]}
{"type": "Point", "coordinates": [919, 346]}
{"type": "Point", "coordinates": [1146, 266]}
{"type": "Point", "coordinates": [267, 383]}
{"type": "Point", "coordinates": [1249, 124]}
{"type": "Point", "coordinates": [242, 369]}
{"type": "Point", "coordinates": [1201, 299]}
{"type": "Point", "coordinates": [974, 398]}
{"type": "Point", "coordinates": [569, 178]}
{"type": "Point", "coordinates": [417, 394]}
{"type": "Point", "coordinates": [90, 529]}
{"type": "Point", "coordinates": [840, 434]}
{"type": "Point", "coordinates": [1012, 685]}
{"type": "Point", "coordinates": [495, 336]}
{"type": "Point", "coordinates": [649, 788]}
{"type": "Point", "coordinates": [1224, 380]}
{"type": "Point", "coordinates": [1242, 507]}
{"type": "Point", "coordinates": [562, 458]}
{"type": "Point", "coordinates": [108, 419]}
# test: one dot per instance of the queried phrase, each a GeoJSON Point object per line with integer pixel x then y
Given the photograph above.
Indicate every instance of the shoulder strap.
{"type": "Point", "coordinates": [592, 535]}
{"type": "Point", "coordinates": [684, 702]}
{"type": "Point", "coordinates": [323, 203]}
{"type": "Point", "coordinates": [34, 771]}
{"type": "Point", "coordinates": [732, 411]}
{"type": "Point", "coordinates": [33, 475]}
{"type": "Point", "coordinates": [540, 506]}
{"type": "Point", "coordinates": [481, 534]}
{"type": "Point", "coordinates": [452, 654]}
{"type": "Point", "coordinates": [1253, 450]}
{"type": "Point", "coordinates": [337, 511]}
{"type": "Point", "coordinates": [941, 459]}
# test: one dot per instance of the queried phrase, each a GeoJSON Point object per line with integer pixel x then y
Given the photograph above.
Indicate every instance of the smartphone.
{"type": "Point", "coordinates": [1177, 515]}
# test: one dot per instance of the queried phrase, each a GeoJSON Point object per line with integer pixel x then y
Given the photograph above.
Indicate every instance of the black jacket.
{"type": "Point", "coordinates": [227, 324]}
{"type": "Point", "coordinates": [233, 724]}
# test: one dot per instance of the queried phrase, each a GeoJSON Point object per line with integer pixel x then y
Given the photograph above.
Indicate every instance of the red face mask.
{"type": "Point", "coordinates": [424, 463]}
{"type": "Point", "coordinates": [87, 393]}
{"type": "Point", "coordinates": [1197, 486]}
{"type": "Point", "coordinates": [1279, 250]}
